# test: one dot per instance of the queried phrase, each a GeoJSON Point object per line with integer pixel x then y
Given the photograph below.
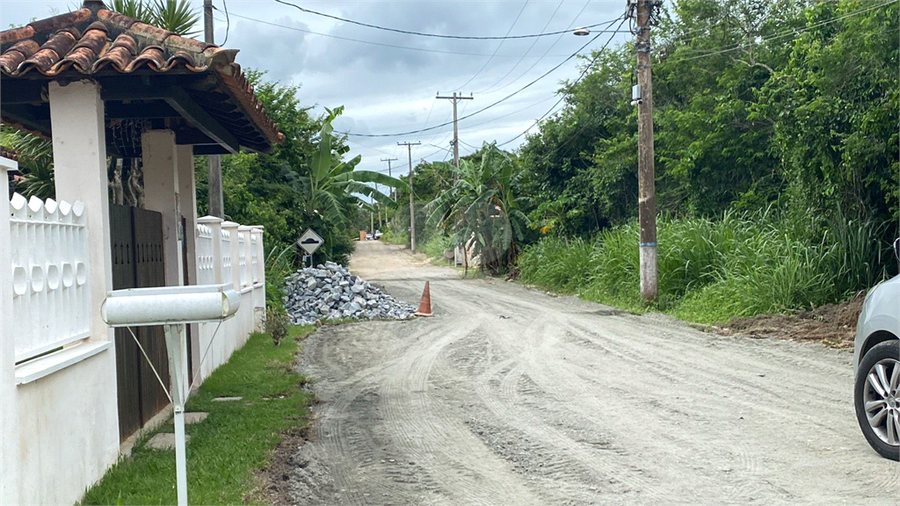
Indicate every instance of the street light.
{"type": "Point", "coordinates": [581, 31]}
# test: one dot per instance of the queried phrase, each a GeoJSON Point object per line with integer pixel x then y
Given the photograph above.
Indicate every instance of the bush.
{"type": "Point", "coordinates": [277, 322]}
{"type": "Point", "coordinates": [711, 270]}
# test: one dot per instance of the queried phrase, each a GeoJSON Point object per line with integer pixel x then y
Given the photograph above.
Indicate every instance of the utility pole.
{"type": "Point", "coordinates": [412, 212]}
{"type": "Point", "coordinates": [643, 10]}
{"type": "Point", "coordinates": [455, 98]}
{"type": "Point", "coordinates": [213, 163]}
{"type": "Point", "coordinates": [388, 160]}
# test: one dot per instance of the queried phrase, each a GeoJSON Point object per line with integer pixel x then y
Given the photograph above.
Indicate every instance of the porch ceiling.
{"type": "Point", "coordinates": [149, 78]}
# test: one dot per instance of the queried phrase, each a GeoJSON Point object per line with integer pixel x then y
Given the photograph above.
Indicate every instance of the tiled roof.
{"type": "Point", "coordinates": [95, 42]}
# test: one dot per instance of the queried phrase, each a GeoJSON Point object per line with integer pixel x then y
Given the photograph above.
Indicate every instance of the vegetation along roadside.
{"type": "Point", "coordinates": [230, 447]}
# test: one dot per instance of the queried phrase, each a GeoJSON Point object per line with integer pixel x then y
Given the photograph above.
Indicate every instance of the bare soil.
{"type": "Point", "coordinates": [833, 325]}
{"type": "Point", "coordinates": [511, 396]}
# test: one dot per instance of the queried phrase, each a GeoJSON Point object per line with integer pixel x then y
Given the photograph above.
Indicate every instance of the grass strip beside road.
{"type": "Point", "coordinates": [226, 449]}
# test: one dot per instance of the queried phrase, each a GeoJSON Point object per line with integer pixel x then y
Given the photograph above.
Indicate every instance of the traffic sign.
{"type": "Point", "coordinates": [310, 241]}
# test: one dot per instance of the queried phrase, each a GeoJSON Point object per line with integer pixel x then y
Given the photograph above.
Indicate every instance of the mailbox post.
{"type": "Point", "coordinates": [172, 307]}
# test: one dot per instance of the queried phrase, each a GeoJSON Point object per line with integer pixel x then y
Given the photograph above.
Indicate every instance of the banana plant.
{"type": "Point", "coordinates": [329, 187]}
{"type": "Point", "coordinates": [482, 209]}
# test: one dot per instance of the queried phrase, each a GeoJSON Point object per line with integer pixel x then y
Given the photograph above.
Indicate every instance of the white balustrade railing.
{"type": "Point", "coordinates": [51, 278]}
{"type": "Point", "coordinates": [226, 256]}
{"type": "Point", "coordinates": [242, 256]}
{"type": "Point", "coordinates": [255, 239]}
{"type": "Point", "coordinates": [206, 274]}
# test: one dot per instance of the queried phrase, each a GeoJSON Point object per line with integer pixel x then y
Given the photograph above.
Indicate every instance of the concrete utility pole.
{"type": "Point", "coordinates": [643, 96]}
{"type": "Point", "coordinates": [388, 160]}
{"type": "Point", "coordinates": [412, 212]}
{"type": "Point", "coordinates": [213, 165]}
{"type": "Point", "coordinates": [455, 98]}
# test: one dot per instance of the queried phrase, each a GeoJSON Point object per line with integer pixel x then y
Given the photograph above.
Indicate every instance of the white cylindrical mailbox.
{"type": "Point", "coordinates": [169, 304]}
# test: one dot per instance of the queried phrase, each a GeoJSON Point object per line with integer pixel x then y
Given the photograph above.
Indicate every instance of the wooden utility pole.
{"type": "Point", "coordinates": [643, 96]}
{"type": "Point", "coordinates": [213, 164]}
{"type": "Point", "coordinates": [388, 160]}
{"type": "Point", "coordinates": [412, 211]}
{"type": "Point", "coordinates": [455, 98]}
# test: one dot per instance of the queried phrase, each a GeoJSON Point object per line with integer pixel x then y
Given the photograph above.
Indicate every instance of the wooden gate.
{"type": "Point", "coordinates": [137, 255]}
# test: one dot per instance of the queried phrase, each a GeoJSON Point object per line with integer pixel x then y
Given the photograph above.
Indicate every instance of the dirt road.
{"type": "Point", "coordinates": [510, 396]}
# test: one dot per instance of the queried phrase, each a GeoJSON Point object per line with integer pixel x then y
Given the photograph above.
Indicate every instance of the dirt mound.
{"type": "Point", "coordinates": [831, 324]}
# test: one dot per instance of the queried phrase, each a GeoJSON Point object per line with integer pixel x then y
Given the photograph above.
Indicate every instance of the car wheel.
{"type": "Point", "coordinates": [877, 398]}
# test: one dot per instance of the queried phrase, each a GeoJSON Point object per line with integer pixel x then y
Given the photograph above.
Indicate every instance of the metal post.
{"type": "Point", "coordinates": [176, 346]}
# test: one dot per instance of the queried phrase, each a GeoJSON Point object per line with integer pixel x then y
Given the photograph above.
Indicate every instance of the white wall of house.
{"type": "Point", "coordinates": [59, 411]}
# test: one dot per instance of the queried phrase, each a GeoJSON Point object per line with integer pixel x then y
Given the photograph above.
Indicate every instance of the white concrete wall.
{"type": "Point", "coordinates": [68, 431]}
{"type": "Point", "coordinates": [67, 422]}
{"type": "Point", "coordinates": [9, 401]}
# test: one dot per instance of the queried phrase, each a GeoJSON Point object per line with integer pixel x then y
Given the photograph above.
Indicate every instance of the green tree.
{"type": "Point", "coordinates": [482, 206]}
{"type": "Point", "coordinates": [173, 15]}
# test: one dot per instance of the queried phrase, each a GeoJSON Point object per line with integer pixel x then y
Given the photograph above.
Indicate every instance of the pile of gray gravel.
{"type": "Point", "coordinates": [329, 291]}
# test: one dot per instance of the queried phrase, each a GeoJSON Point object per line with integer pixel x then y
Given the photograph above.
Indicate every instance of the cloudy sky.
{"type": "Point", "coordinates": [388, 81]}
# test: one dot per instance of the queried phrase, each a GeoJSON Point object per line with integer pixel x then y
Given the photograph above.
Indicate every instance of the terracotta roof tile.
{"type": "Point", "coordinates": [96, 40]}
{"type": "Point", "coordinates": [18, 53]}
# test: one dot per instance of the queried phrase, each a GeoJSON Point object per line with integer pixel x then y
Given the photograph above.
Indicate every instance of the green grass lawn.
{"type": "Point", "coordinates": [233, 442]}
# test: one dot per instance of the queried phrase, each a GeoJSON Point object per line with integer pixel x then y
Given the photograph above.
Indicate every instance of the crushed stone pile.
{"type": "Point", "coordinates": [329, 291]}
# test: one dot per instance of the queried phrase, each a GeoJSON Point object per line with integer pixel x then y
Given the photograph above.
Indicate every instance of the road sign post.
{"type": "Point", "coordinates": [310, 242]}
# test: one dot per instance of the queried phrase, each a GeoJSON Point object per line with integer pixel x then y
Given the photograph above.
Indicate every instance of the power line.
{"type": "Point", "coordinates": [489, 106]}
{"type": "Point", "coordinates": [498, 47]}
{"type": "Point", "coordinates": [786, 33]}
{"type": "Point", "coordinates": [424, 34]}
{"type": "Point", "coordinates": [369, 42]}
{"type": "Point", "coordinates": [580, 77]}
{"type": "Point", "coordinates": [549, 20]}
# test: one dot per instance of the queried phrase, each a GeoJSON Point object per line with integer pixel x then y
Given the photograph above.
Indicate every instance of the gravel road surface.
{"type": "Point", "coordinates": [509, 396]}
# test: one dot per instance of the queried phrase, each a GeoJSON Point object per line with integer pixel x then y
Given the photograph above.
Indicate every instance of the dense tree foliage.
{"type": "Point", "coordinates": [756, 102]}
{"type": "Point", "coordinates": [302, 183]}
{"type": "Point", "coordinates": [481, 207]}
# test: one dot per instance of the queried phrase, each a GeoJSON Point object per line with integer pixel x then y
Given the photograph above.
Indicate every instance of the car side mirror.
{"type": "Point", "coordinates": [897, 248]}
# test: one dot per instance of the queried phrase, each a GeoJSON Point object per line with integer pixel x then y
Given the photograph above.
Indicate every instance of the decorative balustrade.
{"type": "Point", "coordinates": [243, 232]}
{"type": "Point", "coordinates": [51, 278]}
{"type": "Point", "coordinates": [226, 255]}
{"type": "Point", "coordinates": [255, 241]}
{"type": "Point", "coordinates": [206, 274]}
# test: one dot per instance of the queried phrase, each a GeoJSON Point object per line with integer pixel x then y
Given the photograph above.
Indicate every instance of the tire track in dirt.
{"type": "Point", "coordinates": [508, 396]}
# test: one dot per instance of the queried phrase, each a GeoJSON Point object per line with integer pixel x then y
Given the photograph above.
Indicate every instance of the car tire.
{"type": "Point", "coordinates": [878, 384]}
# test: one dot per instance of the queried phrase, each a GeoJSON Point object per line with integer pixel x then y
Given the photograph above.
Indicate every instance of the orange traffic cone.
{"type": "Point", "coordinates": [425, 302]}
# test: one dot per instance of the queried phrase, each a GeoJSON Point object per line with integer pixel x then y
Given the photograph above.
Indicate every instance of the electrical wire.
{"type": "Point", "coordinates": [494, 104]}
{"type": "Point", "coordinates": [786, 33]}
{"type": "Point", "coordinates": [549, 20]}
{"type": "Point", "coordinates": [424, 34]}
{"type": "Point", "coordinates": [513, 25]}
{"type": "Point", "coordinates": [561, 98]}
{"type": "Point", "coordinates": [372, 43]}
{"type": "Point", "coordinates": [227, 22]}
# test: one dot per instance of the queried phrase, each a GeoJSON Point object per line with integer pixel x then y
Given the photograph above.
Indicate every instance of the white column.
{"type": "Point", "coordinates": [187, 192]}
{"type": "Point", "coordinates": [215, 224]}
{"type": "Point", "coordinates": [235, 252]}
{"type": "Point", "coordinates": [9, 400]}
{"type": "Point", "coordinates": [79, 160]}
{"type": "Point", "coordinates": [161, 194]}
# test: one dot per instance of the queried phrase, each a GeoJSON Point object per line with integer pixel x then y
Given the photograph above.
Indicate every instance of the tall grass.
{"type": "Point", "coordinates": [279, 264]}
{"type": "Point", "coordinates": [710, 270]}
{"type": "Point", "coordinates": [557, 264]}
{"type": "Point", "coordinates": [435, 246]}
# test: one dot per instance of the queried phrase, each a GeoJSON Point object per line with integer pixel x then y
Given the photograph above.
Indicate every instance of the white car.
{"type": "Point", "coordinates": [876, 357]}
